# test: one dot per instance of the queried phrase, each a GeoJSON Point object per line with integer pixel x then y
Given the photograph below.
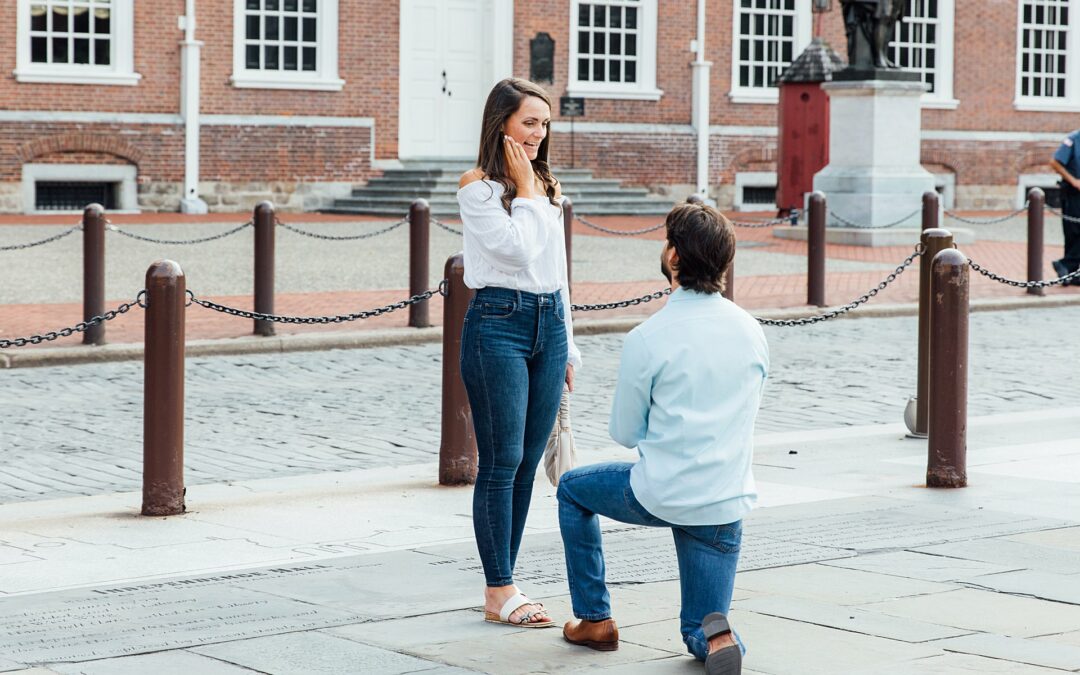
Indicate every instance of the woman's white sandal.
{"type": "Point", "coordinates": [515, 602]}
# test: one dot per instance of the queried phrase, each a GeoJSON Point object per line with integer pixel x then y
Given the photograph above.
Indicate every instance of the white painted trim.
{"type": "Point", "coordinates": [121, 70]}
{"type": "Point", "coordinates": [323, 78]}
{"type": "Point", "coordinates": [33, 116]}
{"type": "Point", "coordinates": [1026, 181]}
{"type": "Point", "coordinates": [803, 29]}
{"type": "Point", "coordinates": [747, 179]}
{"type": "Point", "coordinates": [285, 121]}
{"type": "Point", "coordinates": [125, 174]}
{"type": "Point", "coordinates": [645, 88]}
{"type": "Point", "coordinates": [502, 46]}
{"type": "Point", "coordinates": [992, 136]}
{"type": "Point", "coordinates": [731, 130]}
{"type": "Point", "coordinates": [942, 96]}
{"type": "Point", "coordinates": [929, 103]}
{"type": "Point", "coordinates": [1033, 105]}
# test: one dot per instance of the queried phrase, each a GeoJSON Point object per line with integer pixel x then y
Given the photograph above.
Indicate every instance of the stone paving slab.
{"type": "Point", "coordinates": [162, 663]}
{"type": "Point", "coordinates": [317, 652]}
{"type": "Point", "coordinates": [986, 611]}
{"type": "Point", "coordinates": [921, 565]}
{"type": "Point", "coordinates": [847, 618]}
{"type": "Point", "coordinates": [951, 664]}
{"type": "Point", "coordinates": [1062, 657]}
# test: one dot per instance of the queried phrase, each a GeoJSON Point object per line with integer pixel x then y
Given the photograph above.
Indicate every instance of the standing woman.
{"type": "Point", "coordinates": [517, 345]}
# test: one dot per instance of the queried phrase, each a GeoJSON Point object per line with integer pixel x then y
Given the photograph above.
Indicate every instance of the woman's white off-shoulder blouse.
{"type": "Point", "coordinates": [523, 250]}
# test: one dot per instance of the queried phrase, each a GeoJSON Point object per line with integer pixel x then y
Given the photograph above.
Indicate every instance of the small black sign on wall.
{"type": "Point", "coordinates": [542, 58]}
{"type": "Point", "coordinates": [570, 106]}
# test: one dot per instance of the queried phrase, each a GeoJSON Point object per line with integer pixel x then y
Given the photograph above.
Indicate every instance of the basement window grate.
{"type": "Point", "coordinates": [753, 194]}
{"type": "Point", "coordinates": [73, 196]}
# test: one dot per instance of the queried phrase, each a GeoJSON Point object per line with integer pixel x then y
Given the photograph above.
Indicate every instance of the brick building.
{"type": "Point", "coordinates": [299, 100]}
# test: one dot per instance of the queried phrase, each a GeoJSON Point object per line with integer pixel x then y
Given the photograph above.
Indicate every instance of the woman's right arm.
{"type": "Point", "coordinates": [510, 242]}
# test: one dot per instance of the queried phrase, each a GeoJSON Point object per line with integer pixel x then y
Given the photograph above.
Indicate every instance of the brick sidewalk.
{"type": "Point", "coordinates": [762, 291]}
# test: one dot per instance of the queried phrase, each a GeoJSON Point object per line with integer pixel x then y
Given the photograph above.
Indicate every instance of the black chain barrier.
{"type": "Point", "coordinates": [80, 327]}
{"type": "Point", "coordinates": [863, 299]}
{"type": "Point", "coordinates": [859, 226]}
{"type": "Point", "coordinates": [339, 318]}
{"type": "Point", "coordinates": [1066, 280]}
{"type": "Point", "coordinates": [656, 295]}
{"type": "Point", "coordinates": [47, 240]}
{"type": "Point", "coordinates": [986, 221]}
{"type": "Point", "coordinates": [199, 240]}
{"type": "Point", "coordinates": [625, 233]}
{"type": "Point", "coordinates": [451, 230]}
{"type": "Point", "coordinates": [331, 237]}
{"type": "Point", "coordinates": [793, 219]}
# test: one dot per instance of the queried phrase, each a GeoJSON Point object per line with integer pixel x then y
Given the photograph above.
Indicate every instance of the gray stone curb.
{"type": "Point", "coordinates": [252, 344]}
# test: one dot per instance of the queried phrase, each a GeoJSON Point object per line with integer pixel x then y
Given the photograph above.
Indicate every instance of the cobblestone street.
{"type": "Point", "coordinates": [77, 430]}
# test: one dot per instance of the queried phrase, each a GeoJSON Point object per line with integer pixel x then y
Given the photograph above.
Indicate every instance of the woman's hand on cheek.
{"type": "Point", "coordinates": [520, 168]}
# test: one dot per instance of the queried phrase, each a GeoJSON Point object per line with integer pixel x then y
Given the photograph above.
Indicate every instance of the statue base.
{"type": "Point", "coordinates": [874, 178]}
{"type": "Point", "coordinates": [854, 73]}
{"type": "Point", "coordinates": [890, 236]}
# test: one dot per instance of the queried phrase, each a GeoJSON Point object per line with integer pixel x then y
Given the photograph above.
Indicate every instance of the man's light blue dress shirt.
{"type": "Point", "coordinates": [689, 386]}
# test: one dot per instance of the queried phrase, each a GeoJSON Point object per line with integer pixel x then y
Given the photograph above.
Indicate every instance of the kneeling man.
{"type": "Point", "coordinates": [688, 390]}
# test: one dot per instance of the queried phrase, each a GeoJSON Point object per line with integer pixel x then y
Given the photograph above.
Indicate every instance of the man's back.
{"type": "Point", "coordinates": [689, 387]}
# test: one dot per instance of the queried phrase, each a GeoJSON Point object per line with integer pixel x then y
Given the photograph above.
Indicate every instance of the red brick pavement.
{"type": "Point", "coordinates": [752, 292]}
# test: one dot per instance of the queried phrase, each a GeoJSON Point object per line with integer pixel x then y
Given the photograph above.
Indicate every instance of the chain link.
{"type": "Point", "coordinates": [621, 303]}
{"type": "Point", "coordinates": [77, 328]}
{"type": "Point", "coordinates": [439, 223]}
{"type": "Point", "coordinates": [1060, 281]}
{"type": "Point", "coordinates": [198, 240]}
{"type": "Point", "coordinates": [330, 237]}
{"type": "Point", "coordinates": [987, 221]}
{"type": "Point", "coordinates": [792, 219]}
{"type": "Point", "coordinates": [849, 223]}
{"type": "Point", "coordinates": [840, 311]}
{"type": "Point", "coordinates": [340, 318]}
{"type": "Point", "coordinates": [625, 233]}
{"type": "Point", "coordinates": [19, 247]}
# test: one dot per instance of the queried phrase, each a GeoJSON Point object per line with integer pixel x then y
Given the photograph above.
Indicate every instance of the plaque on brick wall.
{"type": "Point", "coordinates": [542, 58]}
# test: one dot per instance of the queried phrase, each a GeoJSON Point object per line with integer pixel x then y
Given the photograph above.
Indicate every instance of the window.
{"type": "Point", "coordinates": [923, 44]}
{"type": "Point", "coordinates": [613, 49]}
{"type": "Point", "coordinates": [1047, 49]}
{"type": "Point", "coordinates": [769, 35]}
{"type": "Point", "coordinates": [286, 44]}
{"type": "Point", "coordinates": [75, 42]}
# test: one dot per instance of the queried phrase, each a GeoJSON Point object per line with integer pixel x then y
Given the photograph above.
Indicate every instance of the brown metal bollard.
{"type": "Point", "coordinates": [163, 391]}
{"type": "Point", "coordinates": [1035, 215]}
{"type": "Point", "coordinates": [695, 199]}
{"type": "Point", "coordinates": [815, 251]}
{"type": "Point", "coordinates": [457, 449]}
{"type": "Point", "coordinates": [94, 272]}
{"type": "Point", "coordinates": [947, 448]}
{"type": "Point", "coordinates": [934, 241]}
{"type": "Point", "coordinates": [419, 265]}
{"type": "Point", "coordinates": [264, 266]}
{"type": "Point", "coordinates": [930, 209]}
{"type": "Point", "coordinates": [568, 239]}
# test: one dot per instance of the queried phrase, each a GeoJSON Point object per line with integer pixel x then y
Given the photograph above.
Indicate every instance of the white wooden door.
{"type": "Point", "coordinates": [444, 78]}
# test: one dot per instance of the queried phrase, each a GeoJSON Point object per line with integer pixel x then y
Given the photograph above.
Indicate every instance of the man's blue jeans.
{"type": "Point", "coordinates": [708, 554]}
{"type": "Point", "coordinates": [513, 363]}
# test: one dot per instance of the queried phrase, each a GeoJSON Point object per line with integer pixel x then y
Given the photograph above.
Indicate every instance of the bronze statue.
{"type": "Point", "coordinates": [869, 25]}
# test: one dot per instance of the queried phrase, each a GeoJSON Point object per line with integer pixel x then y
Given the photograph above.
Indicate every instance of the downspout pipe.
{"type": "Point", "coordinates": [189, 111]}
{"type": "Point", "coordinates": [700, 114]}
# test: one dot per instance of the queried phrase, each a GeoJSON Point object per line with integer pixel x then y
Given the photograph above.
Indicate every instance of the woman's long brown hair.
{"type": "Point", "coordinates": [503, 101]}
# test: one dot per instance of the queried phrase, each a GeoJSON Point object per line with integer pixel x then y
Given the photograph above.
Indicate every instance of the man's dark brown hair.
{"type": "Point", "coordinates": [705, 242]}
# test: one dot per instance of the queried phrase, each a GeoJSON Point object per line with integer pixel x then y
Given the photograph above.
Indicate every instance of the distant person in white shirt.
{"type": "Point", "coordinates": [689, 386]}
{"type": "Point", "coordinates": [517, 345]}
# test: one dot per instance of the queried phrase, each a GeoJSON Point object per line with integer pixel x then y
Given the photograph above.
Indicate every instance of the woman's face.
{"type": "Point", "coordinates": [529, 124]}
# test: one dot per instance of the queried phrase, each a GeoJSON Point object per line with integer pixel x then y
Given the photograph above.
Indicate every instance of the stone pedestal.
{"type": "Point", "coordinates": [874, 177]}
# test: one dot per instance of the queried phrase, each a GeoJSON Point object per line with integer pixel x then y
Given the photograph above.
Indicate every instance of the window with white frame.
{"type": "Point", "coordinates": [286, 44]}
{"type": "Point", "coordinates": [613, 49]}
{"type": "Point", "coordinates": [923, 44]}
{"type": "Point", "coordinates": [769, 35]}
{"type": "Point", "coordinates": [75, 41]}
{"type": "Point", "coordinates": [1048, 49]}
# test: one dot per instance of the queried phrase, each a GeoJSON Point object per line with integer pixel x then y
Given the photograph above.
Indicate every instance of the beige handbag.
{"type": "Point", "coordinates": [559, 455]}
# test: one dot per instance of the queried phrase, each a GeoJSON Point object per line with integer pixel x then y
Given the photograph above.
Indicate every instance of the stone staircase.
{"type": "Point", "coordinates": [393, 192]}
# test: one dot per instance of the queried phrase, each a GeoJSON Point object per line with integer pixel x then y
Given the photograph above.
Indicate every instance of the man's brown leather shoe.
{"type": "Point", "coordinates": [600, 635]}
